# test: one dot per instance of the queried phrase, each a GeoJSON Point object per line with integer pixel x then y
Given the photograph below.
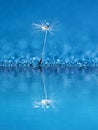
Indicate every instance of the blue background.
{"type": "Point", "coordinates": [76, 30]}
{"type": "Point", "coordinates": [74, 92]}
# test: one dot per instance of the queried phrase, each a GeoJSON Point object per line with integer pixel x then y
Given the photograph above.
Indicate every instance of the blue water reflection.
{"type": "Point", "coordinates": [73, 95]}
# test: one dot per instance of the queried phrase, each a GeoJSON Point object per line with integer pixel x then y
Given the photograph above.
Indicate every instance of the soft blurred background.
{"type": "Point", "coordinates": [76, 30]}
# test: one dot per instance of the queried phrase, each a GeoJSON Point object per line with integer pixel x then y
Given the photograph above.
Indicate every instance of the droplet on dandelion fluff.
{"type": "Point", "coordinates": [46, 26]}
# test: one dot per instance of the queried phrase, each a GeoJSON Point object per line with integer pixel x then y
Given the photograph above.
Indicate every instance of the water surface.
{"type": "Point", "coordinates": [74, 96]}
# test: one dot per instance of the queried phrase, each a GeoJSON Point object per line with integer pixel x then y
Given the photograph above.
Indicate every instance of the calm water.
{"type": "Point", "coordinates": [73, 95]}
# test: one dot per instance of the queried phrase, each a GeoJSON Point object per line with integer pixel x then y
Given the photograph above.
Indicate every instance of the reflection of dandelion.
{"type": "Point", "coordinates": [46, 102]}
{"type": "Point", "coordinates": [44, 27]}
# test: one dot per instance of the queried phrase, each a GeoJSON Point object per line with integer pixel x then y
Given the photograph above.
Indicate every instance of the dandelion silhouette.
{"type": "Point", "coordinates": [45, 27]}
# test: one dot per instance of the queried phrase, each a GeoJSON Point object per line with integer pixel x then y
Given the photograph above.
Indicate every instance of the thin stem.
{"type": "Point", "coordinates": [45, 90]}
{"type": "Point", "coordinates": [45, 38]}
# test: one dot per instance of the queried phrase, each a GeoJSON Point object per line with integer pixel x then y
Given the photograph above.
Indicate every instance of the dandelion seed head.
{"type": "Point", "coordinates": [45, 26]}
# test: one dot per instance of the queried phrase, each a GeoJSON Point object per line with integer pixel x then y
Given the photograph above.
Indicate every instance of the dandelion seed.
{"type": "Point", "coordinates": [44, 27]}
